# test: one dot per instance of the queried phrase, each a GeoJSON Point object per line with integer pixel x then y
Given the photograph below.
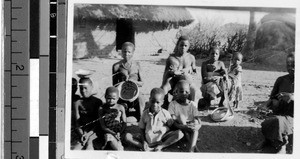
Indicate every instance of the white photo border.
{"type": "Point", "coordinates": [172, 155]}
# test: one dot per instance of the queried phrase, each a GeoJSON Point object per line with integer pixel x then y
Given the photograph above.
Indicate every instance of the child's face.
{"type": "Point", "coordinates": [174, 66]}
{"type": "Point", "coordinates": [127, 52]}
{"type": "Point", "coordinates": [86, 90]}
{"type": "Point", "coordinates": [215, 54]}
{"type": "Point", "coordinates": [183, 91]}
{"type": "Point", "coordinates": [183, 46]}
{"type": "Point", "coordinates": [111, 98]}
{"type": "Point", "coordinates": [156, 101]}
{"type": "Point", "coordinates": [237, 59]}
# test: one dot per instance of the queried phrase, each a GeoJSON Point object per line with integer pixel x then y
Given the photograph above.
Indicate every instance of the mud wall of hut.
{"type": "Point", "coordinates": [99, 40]}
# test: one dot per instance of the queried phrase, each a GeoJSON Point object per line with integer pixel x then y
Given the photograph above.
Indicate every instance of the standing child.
{"type": "Point", "coordinates": [212, 72]}
{"type": "Point", "coordinates": [112, 119]}
{"type": "Point", "coordinates": [235, 74]}
{"type": "Point", "coordinates": [86, 115]}
{"type": "Point", "coordinates": [185, 114]}
{"type": "Point", "coordinates": [128, 69]}
{"type": "Point", "coordinates": [155, 124]}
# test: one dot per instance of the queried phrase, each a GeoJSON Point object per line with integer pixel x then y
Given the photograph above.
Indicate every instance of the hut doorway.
{"type": "Point", "coordinates": [125, 32]}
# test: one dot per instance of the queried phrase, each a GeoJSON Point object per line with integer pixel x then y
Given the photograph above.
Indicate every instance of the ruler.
{"type": "Point", "coordinates": [16, 79]}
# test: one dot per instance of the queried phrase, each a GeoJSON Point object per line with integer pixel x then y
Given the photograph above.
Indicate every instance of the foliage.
{"type": "Point", "coordinates": [230, 37]}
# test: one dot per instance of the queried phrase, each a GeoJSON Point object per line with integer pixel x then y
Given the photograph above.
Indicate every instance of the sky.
{"type": "Point", "coordinates": [224, 16]}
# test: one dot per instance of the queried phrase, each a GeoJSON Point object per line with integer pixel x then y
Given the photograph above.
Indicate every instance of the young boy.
{"type": "Point", "coordinates": [235, 74]}
{"type": "Point", "coordinates": [212, 71]}
{"type": "Point", "coordinates": [155, 124]}
{"type": "Point", "coordinates": [86, 115]}
{"type": "Point", "coordinates": [128, 69]}
{"type": "Point", "coordinates": [183, 69]}
{"type": "Point", "coordinates": [186, 115]}
{"type": "Point", "coordinates": [112, 119]}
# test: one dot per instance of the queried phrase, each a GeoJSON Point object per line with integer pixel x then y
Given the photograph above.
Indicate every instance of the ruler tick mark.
{"type": "Point", "coordinates": [15, 141]}
{"type": "Point", "coordinates": [14, 18]}
{"type": "Point", "coordinates": [16, 97]}
{"type": "Point", "coordinates": [8, 106]}
{"type": "Point", "coordinates": [14, 108]}
{"type": "Point", "coordinates": [17, 52]}
{"type": "Point", "coordinates": [13, 86]}
{"type": "Point", "coordinates": [19, 75]}
{"type": "Point", "coordinates": [14, 40]}
{"type": "Point", "coordinates": [18, 118]}
{"type": "Point", "coordinates": [16, 7]}
{"type": "Point", "coordinates": [18, 30]}
{"type": "Point", "coordinates": [7, 35]}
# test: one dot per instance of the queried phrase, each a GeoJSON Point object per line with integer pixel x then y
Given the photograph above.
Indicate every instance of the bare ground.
{"type": "Point", "coordinates": [240, 135]}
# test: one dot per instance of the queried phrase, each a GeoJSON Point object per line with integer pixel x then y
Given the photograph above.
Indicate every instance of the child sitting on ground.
{"type": "Point", "coordinates": [185, 115]}
{"type": "Point", "coordinates": [155, 124]}
{"type": "Point", "coordinates": [86, 115]}
{"type": "Point", "coordinates": [212, 72]}
{"type": "Point", "coordinates": [112, 120]}
{"type": "Point", "coordinates": [235, 75]}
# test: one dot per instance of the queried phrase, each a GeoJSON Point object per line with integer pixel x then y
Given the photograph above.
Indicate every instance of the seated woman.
{"type": "Point", "coordinates": [128, 69]}
{"type": "Point", "coordinates": [179, 66]}
{"type": "Point", "coordinates": [212, 71]}
{"type": "Point", "coordinates": [277, 128]}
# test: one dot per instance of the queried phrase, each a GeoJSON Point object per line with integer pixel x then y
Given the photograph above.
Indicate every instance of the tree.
{"type": "Point", "coordinates": [249, 46]}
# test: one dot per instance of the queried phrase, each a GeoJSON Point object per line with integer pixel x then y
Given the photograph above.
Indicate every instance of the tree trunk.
{"type": "Point", "coordinates": [249, 46]}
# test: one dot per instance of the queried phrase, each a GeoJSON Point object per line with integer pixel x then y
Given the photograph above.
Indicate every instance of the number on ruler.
{"type": "Point", "coordinates": [20, 67]}
{"type": "Point", "coordinates": [19, 157]}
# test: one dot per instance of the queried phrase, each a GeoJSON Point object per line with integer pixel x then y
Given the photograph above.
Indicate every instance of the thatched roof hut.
{"type": "Point", "coordinates": [164, 16]}
{"type": "Point", "coordinates": [134, 23]}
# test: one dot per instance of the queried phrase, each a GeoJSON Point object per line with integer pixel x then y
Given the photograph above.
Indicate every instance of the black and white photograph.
{"type": "Point", "coordinates": [170, 80]}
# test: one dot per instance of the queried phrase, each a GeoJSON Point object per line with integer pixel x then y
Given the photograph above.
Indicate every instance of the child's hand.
{"type": "Point", "coordinates": [145, 146]}
{"type": "Point", "coordinates": [179, 72]}
{"type": "Point", "coordinates": [118, 136]}
{"type": "Point", "coordinates": [83, 139]}
{"type": "Point", "coordinates": [157, 131]}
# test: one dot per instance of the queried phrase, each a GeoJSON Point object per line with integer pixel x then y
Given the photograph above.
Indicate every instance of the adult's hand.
{"type": "Point", "coordinates": [287, 97]}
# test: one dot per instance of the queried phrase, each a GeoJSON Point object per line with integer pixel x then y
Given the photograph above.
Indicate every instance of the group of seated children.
{"type": "Point", "coordinates": [91, 119]}
{"type": "Point", "coordinates": [107, 122]}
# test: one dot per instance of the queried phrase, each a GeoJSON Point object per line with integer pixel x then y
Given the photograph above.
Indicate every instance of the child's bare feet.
{"type": "Point", "coordinates": [282, 150]}
{"type": "Point", "coordinates": [158, 148]}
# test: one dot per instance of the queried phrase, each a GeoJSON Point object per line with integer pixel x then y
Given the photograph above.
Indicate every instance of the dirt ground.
{"type": "Point", "coordinates": [239, 135]}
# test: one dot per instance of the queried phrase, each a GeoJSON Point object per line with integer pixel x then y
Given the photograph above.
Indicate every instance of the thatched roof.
{"type": "Point", "coordinates": [161, 14]}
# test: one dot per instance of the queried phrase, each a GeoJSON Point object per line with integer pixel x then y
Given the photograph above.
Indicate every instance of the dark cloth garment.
{"type": "Point", "coordinates": [111, 121]}
{"type": "Point", "coordinates": [276, 127]}
{"type": "Point", "coordinates": [133, 108]}
{"type": "Point", "coordinates": [283, 84]}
